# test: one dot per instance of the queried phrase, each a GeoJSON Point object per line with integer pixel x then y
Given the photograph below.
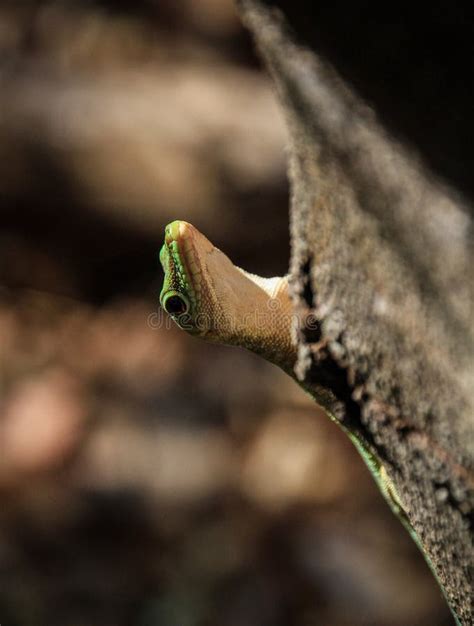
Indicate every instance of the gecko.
{"type": "Point", "coordinates": [213, 299]}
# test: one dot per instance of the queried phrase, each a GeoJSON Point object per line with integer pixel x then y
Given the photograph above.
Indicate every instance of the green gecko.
{"type": "Point", "coordinates": [209, 297]}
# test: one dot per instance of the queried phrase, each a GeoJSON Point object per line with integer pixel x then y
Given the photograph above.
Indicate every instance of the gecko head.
{"type": "Point", "coordinates": [208, 296]}
{"type": "Point", "coordinates": [187, 293]}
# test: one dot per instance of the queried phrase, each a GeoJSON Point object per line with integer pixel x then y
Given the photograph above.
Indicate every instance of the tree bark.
{"type": "Point", "coordinates": [381, 258]}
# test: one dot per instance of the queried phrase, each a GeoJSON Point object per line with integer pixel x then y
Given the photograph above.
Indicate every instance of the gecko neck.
{"type": "Point", "coordinates": [262, 320]}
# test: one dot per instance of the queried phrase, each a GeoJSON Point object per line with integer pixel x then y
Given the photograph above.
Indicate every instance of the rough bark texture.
{"type": "Point", "coordinates": [381, 256]}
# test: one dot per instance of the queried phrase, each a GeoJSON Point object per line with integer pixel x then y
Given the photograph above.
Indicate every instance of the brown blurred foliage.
{"type": "Point", "coordinates": [147, 478]}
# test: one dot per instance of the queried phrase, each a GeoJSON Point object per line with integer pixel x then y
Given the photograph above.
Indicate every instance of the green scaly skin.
{"type": "Point", "coordinates": [208, 296]}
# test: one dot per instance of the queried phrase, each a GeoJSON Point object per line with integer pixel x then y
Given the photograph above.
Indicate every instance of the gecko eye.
{"type": "Point", "coordinates": [176, 304]}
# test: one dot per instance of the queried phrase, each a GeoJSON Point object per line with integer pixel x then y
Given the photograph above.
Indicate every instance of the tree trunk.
{"type": "Point", "coordinates": [381, 257]}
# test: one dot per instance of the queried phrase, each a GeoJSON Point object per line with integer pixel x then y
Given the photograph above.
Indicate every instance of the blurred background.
{"type": "Point", "coordinates": [147, 478]}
